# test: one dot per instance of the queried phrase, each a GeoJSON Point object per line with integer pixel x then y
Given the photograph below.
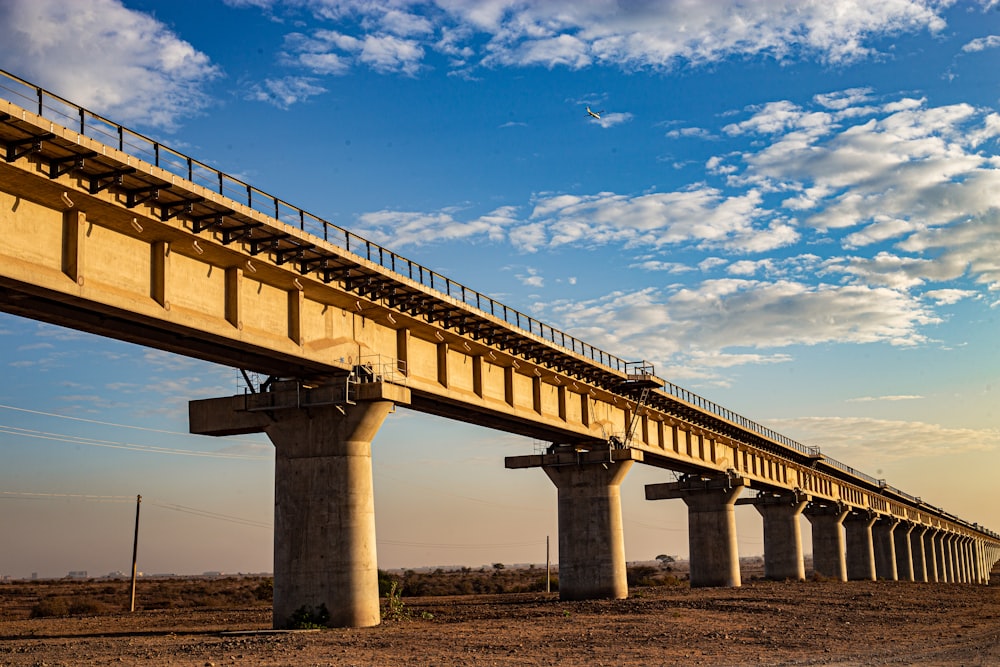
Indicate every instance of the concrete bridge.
{"type": "Point", "coordinates": [107, 231]}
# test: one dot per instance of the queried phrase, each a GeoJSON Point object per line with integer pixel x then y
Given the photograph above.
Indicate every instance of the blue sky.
{"type": "Point", "coordinates": [789, 208]}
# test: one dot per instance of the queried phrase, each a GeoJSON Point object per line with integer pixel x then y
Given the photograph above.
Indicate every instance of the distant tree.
{"type": "Point", "coordinates": [665, 560]}
{"type": "Point", "coordinates": [497, 566]}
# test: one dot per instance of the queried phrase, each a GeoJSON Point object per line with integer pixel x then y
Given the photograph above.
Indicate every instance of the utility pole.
{"type": "Point", "coordinates": [548, 570]}
{"type": "Point", "coordinates": [135, 550]}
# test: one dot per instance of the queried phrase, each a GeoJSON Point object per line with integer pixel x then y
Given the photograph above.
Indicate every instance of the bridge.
{"type": "Point", "coordinates": [108, 231]}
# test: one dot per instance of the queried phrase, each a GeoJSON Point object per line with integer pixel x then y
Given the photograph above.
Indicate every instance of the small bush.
{"type": "Point", "coordinates": [307, 618]}
{"type": "Point", "coordinates": [264, 591]}
{"type": "Point", "coordinates": [47, 607]}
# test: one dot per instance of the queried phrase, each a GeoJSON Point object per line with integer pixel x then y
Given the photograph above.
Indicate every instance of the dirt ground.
{"type": "Point", "coordinates": [762, 623]}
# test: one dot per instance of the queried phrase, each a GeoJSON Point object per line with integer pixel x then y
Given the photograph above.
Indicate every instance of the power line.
{"type": "Point", "coordinates": [74, 496]}
{"type": "Point", "coordinates": [212, 515]}
{"type": "Point", "coordinates": [207, 514]}
{"type": "Point", "coordinates": [103, 423]}
{"type": "Point", "coordinates": [95, 442]}
{"type": "Point", "coordinates": [400, 543]}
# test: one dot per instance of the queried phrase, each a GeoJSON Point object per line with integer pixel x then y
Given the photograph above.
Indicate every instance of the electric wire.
{"type": "Point", "coordinates": [111, 444]}
{"type": "Point", "coordinates": [89, 497]}
{"type": "Point", "coordinates": [115, 424]}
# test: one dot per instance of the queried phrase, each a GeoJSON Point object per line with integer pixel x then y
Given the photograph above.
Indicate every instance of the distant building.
{"type": "Point", "coordinates": [77, 574]}
{"type": "Point", "coordinates": [5, 579]}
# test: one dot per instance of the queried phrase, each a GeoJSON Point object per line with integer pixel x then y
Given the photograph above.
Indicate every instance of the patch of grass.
{"type": "Point", "coordinates": [307, 618]}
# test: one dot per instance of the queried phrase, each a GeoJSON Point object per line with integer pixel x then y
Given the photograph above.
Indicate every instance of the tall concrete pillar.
{"type": "Point", "coordinates": [930, 553]}
{"type": "Point", "coordinates": [885, 547]}
{"type": "Point", "coordinates": [918, 553]}
{"type": "Point", "coordinates": [782, 534]}
{"type": "Point", "coordinates": [904, 551]}
{"type": "Point", "coordinates": [828, 546]}
{"type": "Point", "coordinates": [860, 549]}
{"type": "Point", "coordinates": [941, 549]}
{"type": "Point", "coordinates": [963, 546]}
{"type": "Point", "coordinates": [591, 537]}
{"type": "Point", "coordinates": [948, 545]}
{"type": "Point", "coordinates": [325, 564]}
{"type": "Point", "coordinates": [715, 559]}
{"type": "Point", "coordinates": [324, 513]}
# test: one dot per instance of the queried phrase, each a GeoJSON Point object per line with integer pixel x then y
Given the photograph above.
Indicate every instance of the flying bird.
{"type": "Point", "coordinates": [595, 114]}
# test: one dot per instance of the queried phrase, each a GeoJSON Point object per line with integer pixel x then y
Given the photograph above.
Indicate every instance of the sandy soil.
{"type": "Point", "coordinates": [762, 623]}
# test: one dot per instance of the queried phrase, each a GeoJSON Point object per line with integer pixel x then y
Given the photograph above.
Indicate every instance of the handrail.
{"type": "Point", "coordinates": [97, 127]}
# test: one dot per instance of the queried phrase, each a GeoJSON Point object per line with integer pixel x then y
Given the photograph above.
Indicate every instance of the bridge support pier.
{"type": "Point", "coordinates": [930, 554]}
{"type": "Point", "coordinates": [591, 537]}
{"type": "Point", "coordinates": [860, 549]}
{"type": "Point", "coordinates": [325, 565]}
{"type": "Point", "coordinates": [941, 547]}
{"type": "Point", "coordinates": [904, 551]}
{"type": "Point", "coordinates": [885, 548]}
{"type": "Point", "coordinates": [715, 559]}
{"type": "Point", "coordinates": [918, 552]}
{"type": "Point", "coordinates": [827, 522]}
{"type": "Point", "coordinates": [782, 534]}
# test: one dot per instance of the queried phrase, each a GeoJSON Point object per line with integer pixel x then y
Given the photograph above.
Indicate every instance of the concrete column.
{"type": "Point", "coordinates": [941, 549]}
{"type": "Point", "coordinates": [963, 549]}
{"type": "Point", "coordinates": [947, 547]}
{"type": "Point", "coordinates": [917, 552]}
{"type": "Point", "coordinates": [828, 550]}
{"type": "Point", "coordinates": [885, 548]}
{"type": "Point", "coordinates": [930, 553]}
{"type": "Point", "coordinates": [324, 511]}
{"type": "Point", "coordinates": [904, 551]}
{"type": "Point", "coordinates": [715, 559]}
{"type": "Point", "coordinates": [591, 538]}
{"type": "Point", "coordinates": [860, 549]}
{"type": "Point", "coordinates": [782, 534]}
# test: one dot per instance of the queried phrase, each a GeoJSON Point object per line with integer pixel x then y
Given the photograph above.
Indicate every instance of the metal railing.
{"type": "Point", "coordinates": [94, 126]}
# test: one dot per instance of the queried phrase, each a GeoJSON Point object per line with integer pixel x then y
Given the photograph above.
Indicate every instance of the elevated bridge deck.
{"type": "Point", "coordinates": [108, 231]}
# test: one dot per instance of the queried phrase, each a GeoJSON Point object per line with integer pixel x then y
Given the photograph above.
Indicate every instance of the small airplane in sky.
{"type": "Point", "coordinates": [595, 114]}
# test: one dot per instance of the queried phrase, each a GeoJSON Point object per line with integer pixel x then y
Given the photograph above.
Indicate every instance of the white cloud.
{"type": "Point", "coordinates": [949, 296]}
{"type": "Point", "coordinates": [982, 43]}
{"type": "Point", "coordinates": [611, 119]}
{"type": "Point", "coordinates": [872, 399]}
{"type": "Point", "coordinates": [656, 265]}
{"type": "Point", "coordinates": [865, 443]}
{"type": "Point", "coordinates": [689, 132]}
{"type": "Point", "coordinates": [723, 318]}
{"type": "Point", "coordinates": [530, 278]}
{"type": "Point", "coordinates": [401, 228]}
{"type": "Point", "coordinates": [283, 93]}
{"type": "Point", "coordinates": [334, 52]}
{"type": "Point", "coordinates": [113, 60]}
{"type": "Point", "coordinates": [662, 35]}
